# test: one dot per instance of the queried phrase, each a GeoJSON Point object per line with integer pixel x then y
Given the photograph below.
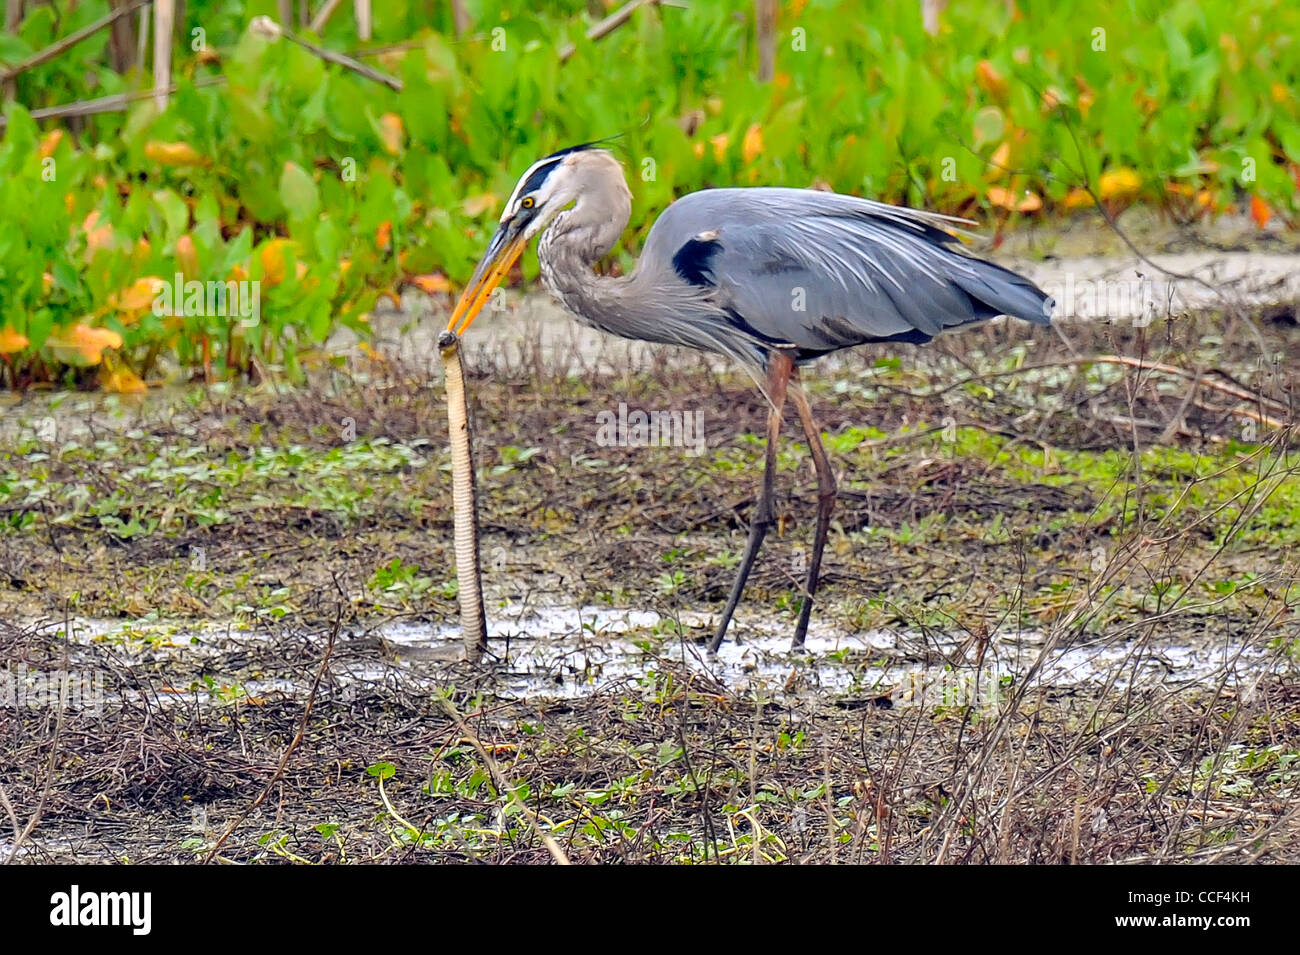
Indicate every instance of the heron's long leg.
{"type": "Point", "coordinates": [779, 368]}
{"type": "Point", "coordinates": [825, 504]}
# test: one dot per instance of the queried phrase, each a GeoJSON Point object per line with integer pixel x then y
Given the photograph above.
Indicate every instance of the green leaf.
{"type": "Point", "coordinates": [237, 252]}
{"type": "Point", "coordinates": [298, 192]}
{"type": "Point", "coordinates": [989, 125]}
{"type": "Point", "coordinates": [176, 215]}
{"type": "Point", "coordinates": [12, 49]}
{"type": "Point", "coordinates": [311, 117]}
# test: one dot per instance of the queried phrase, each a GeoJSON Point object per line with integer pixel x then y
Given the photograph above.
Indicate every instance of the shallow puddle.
{"type": "Point", "coordinates": [565, 652]}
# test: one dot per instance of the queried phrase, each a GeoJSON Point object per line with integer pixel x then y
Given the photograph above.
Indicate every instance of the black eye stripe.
{"type": "Point", "coordinates": [534, 182]}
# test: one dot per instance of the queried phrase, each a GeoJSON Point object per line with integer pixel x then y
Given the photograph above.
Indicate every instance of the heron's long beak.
{"type": "Point", "coordinates": [502, 253]}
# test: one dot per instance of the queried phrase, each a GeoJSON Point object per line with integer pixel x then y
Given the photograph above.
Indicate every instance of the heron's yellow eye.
{"type": "Point", "coordinates": [528, 202]}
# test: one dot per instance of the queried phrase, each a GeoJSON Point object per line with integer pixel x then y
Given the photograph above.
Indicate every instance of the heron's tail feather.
{"type": "Point", "coordinates": [994, 290]}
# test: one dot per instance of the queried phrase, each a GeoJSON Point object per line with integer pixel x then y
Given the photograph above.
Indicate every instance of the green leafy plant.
{"type": "Point", "coordinates": [322, 190]}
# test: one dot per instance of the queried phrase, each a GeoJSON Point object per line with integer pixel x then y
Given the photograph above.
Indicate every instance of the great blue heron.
{"type": "Point", "coordinates": [773, 278]}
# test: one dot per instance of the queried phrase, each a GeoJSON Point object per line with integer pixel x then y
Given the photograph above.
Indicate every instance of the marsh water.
{"type": "Point", "coordinates": [561, 652]}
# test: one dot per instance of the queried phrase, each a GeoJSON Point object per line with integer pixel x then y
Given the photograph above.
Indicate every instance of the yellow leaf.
{"type": "Point", "coordinates": [1086, 96]}
{"type": "Point", "coordinates": [97, 236]}
{"type": "Point", "coordinates": [390, 125]}
{"type": "Point", "coordinates": [173, 154]}
{"type": "Point", "coordinates": [990, 80]}
{"type": "Point", "coordinates": [121, 380]}
{"type": "Point", "coordinates": [1121, 183]}
{"type": "Point", "coordinates": [1078, 199]}
{"type": "Point", "coordinates": [719, 142]}
{"type": "Point", "coordinates": [1000, 161]}
{"type": "Point", "coordinates": [83, 345]}
{"type": "Point", "coordinates": [435, 284]}
{"type": "Point", "coordinates": [96, 239]}
{"type": "Point", "coordinates": [138, 297]}
{"type": "Point", "coordinates": [753, 144]}
{"type": "Point", "coordinates": [1011, 201]}
{"type": "Point", "coordinates": [274, 260]}
{"type": "Point", "coordinates": [1002, 197]}
{"type": "Point", "coordinates": [50, 142]}
{"type": "Point", "coordinates": [1259, 211]}
{"type": "Point", "coordinates": [1030, 202]}
{"type": "Point", "coordinates": [187, 256]}
{"type": "Point", "coordinates": [11, 342]}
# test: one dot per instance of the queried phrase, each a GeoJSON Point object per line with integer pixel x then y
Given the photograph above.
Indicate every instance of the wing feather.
{"type": "Point", "coordinates": [821, 271]}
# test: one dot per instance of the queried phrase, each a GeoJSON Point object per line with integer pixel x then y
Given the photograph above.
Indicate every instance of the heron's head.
{"type": "Point", "coordinates": [548, 187]}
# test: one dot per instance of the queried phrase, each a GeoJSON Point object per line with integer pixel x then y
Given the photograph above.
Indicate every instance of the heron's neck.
{"type": "Point", "coordinates": [574, 242]}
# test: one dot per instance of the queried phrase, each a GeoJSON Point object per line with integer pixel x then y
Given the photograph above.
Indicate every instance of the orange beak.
{"type": "Point", "coordinates": [501, 255]}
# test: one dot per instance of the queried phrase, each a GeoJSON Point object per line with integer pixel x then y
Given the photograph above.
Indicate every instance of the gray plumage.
{"type": "Point", "coordinates": [746, 271]}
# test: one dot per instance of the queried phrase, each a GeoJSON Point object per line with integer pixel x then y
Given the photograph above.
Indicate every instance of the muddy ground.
{"type": "Point", "coordinates": [1034, 642]}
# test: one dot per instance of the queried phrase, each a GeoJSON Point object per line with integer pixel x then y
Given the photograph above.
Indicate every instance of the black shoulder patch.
{"type": "Point", "coordinates": [692, 260]}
